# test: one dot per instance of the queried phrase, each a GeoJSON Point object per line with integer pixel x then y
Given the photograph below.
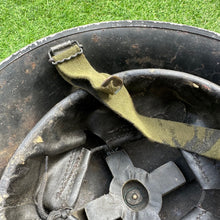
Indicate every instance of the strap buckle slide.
{"type": "Point", "coordinates": [60, 48]}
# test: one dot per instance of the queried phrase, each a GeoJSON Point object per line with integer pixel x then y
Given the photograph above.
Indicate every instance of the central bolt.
{"type": "Point", "coordinates": [135, 195]}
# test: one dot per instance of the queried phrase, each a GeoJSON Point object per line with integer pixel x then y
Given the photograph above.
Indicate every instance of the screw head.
{"type": "Point", "coordinates": [133, 197]}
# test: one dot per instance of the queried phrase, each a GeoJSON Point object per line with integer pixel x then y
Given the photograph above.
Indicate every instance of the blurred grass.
{"type": "Point", "coordinates": [24, 21]}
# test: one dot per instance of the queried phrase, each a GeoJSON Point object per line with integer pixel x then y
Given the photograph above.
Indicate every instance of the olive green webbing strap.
{"type": "Point", "coordinates": [111, 91]}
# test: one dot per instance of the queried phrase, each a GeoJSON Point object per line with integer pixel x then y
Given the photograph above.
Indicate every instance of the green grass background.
{"type": "Point", "coordinates": [24, 21]}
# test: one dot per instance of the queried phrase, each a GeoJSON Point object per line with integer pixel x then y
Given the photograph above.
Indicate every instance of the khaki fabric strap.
{"type": "Point", "coordinates": [111, 91]}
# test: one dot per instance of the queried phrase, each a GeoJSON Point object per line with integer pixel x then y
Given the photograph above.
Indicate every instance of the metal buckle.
{"type": "Point", "coordinates": [61, 47]}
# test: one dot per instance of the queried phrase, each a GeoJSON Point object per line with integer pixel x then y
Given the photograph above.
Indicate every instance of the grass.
{"type": "Point", "coordinates": [24, 21]}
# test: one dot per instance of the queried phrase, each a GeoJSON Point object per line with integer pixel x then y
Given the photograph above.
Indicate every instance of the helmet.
{"type": "Point", "coordinates": [83, 161]}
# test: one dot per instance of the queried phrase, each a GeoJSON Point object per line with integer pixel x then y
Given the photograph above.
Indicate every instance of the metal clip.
{"type": "Point", "coordinates": [61, 47]}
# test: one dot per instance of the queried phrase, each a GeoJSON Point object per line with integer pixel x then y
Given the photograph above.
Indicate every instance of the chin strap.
{"type": "Point", "coordinates": [109, 89]}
